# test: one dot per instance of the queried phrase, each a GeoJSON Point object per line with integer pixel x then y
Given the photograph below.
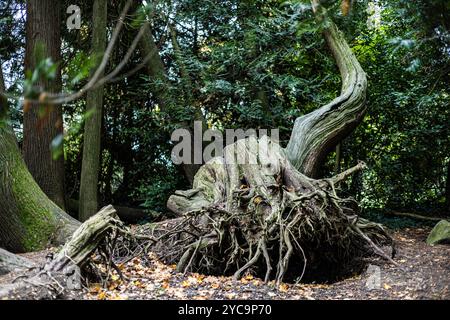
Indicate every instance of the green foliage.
{"type": "Point", "coordinates": [405, 135]}
{"type": "Point", "coordinates": [154, 193]}
{"type": "Point", "coordinates": [261, 64]}
{"type": "Point", "coordinates": [45, 71]}
{"type": "Point", "coordinates": [79, 68]}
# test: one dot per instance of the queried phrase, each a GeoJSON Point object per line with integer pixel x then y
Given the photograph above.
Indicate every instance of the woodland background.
{"type": "Point", "coordinates": [258, 64]}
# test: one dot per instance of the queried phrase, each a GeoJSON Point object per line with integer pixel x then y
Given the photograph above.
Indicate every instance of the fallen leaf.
{"type": "Point", "coordinates": [230, 295]}
{"type": "Point", "coordinates": [114, 277]}
{"type": "Point", "coordinates": [249, 277]}
{"type": "Point", "coordinates": [101, 295]}
{"type": "Point", "coordinates": [215, 285]}
{"type": "Point", "coordinates": [283, 287]}
{"type": "Point", "coordinates": [96, 288]}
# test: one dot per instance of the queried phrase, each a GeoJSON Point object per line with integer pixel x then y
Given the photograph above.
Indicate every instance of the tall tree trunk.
{"type": "Point", "coordinates": [338, 158]}
{"type": "Point", "coordinates": [43, 29]}
{"type": "Point", "coordinates": [93, 124]}
{"type": "Point", "coordinates": [189, 169]}
{"type": "Point", "coordinates": [184, 73]}
{"type": "Point", "coordinates": [156, 70]}
{"type": "Point", "coordinates": [29, 220]}
{"type": "Point", "coordinates": [314, 135]}
{"type": "Point", "coordinates": [447, 190]}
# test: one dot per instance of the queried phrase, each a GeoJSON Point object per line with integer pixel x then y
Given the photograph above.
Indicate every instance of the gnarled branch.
{"type": "Point", "coordinates": [316, 133]}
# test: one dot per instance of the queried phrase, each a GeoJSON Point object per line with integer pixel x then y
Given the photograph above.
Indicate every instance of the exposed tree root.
{"type": "Point", "coordinates": [249, 211]}
{"type": "Point", "coordinates": [252, 210]}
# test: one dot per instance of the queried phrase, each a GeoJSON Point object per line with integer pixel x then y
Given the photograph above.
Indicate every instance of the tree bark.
{"type": "Point", "coordinates": [43, 123]}
{"type": "Point", "coordinates": [11, 262]}
{"type": "Point", "coordinates": [338, 159]}
{"type": "Point", "coordinates": [86, 239]}
{"type": "Point", "coordinates": [93, 124]}
{"type": "Point", "coordinates": [314, 135]}
{"type": "Point", "coordinates": [29, 220]}
{"type": "Point", "coordinates": [155, 68]}
{"type": "Point", "coordinates": [447, 190]}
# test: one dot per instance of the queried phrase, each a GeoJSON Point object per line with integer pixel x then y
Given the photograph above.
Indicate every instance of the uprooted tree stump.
{"type": "Point", "coordinates": [265, 213]}
{"type": "Point", "coordinates": [251, 209]}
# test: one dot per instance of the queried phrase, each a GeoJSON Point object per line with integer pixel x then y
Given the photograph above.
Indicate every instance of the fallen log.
{"type": "Point", "coordinates": [55, 278]}
{"type": "Point", "coordinates": [414, 216]}
{"type": "Point", "coordinates": [11, 262]}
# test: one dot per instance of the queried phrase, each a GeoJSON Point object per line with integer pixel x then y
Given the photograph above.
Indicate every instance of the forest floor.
{"type": "Point", "coordinates": [424, 273]}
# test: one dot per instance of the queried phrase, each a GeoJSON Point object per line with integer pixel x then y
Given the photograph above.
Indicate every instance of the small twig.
{"type": "Point", "coordinates": [344, 175]}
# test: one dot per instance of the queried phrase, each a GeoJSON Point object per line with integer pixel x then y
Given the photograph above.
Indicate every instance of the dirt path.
{"type": "Point", "coordinates": [424, 274]}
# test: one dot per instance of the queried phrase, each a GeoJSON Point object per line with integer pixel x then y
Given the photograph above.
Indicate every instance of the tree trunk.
{"type": "Point", "coordinates": [161, 88]}
{"type": "Point", "coordinates": [93, 124]}
{"type": "Point", "coordinates": [314, 135]}
{"type": "Point", "coordinates": [155, 68]}
{"type": "Point", "coordinates": [447, 190]}
{"type": "Point", "coordinates": [185, 77]}
{"type": "Point", "coordinates": [29, 220]}
{"type": "Point", "coordinates": [337, 160]}
{"type": "Point", "coordinates": [43, 123]}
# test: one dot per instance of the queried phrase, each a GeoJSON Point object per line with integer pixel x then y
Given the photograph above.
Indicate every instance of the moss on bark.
{"type": "Point", "coordinates": [29, 219]}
